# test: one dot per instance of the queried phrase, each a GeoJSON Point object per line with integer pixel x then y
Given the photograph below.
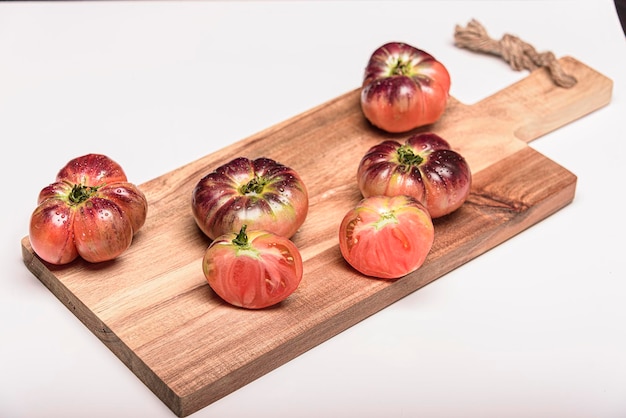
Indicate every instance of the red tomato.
{"type": "Point", "coordinates": [386, 236]}
{"type": "Point", "coordinates": [91, 211]}
{"type": "Point", "coordinates": [261, 193]}
{"type": "Point", "coordinates": [254, 269]}
{"type": "Point", "coordinates": [423, 167]}
{"type": "Point", "coordinates": [403, 88]}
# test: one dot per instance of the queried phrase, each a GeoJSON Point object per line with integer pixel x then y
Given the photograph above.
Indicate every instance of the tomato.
{"type": "Point", "coordinates": [386, 237]}
{"type": "Point", "coordinates": [254, 269]}
{"type": "Point", "coordinates": [260, 193]}
{"type": "Point", "coordinates": [403, 88]}
{"type": "Point", "coordinates": [91, 211]}
{"type": "Point", "coordinates": [423, 166]}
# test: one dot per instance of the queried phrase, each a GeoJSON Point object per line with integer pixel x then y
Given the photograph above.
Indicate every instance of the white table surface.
{"type": "Point", "coordinates": [534, 328]}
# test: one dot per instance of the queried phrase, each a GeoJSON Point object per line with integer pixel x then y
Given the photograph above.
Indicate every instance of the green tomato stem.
{"type": "Point", "coordinates": [407, 157]}
{"type": "Point", "coordinates": [243, 247]}
{"type": "Point", "coordinates": [80, 193]}
{"type": "Point", "coordinates": [241, 240]}
{"type": "Point", "coordinates": [401, 67]}
{"type": "Point", "coordinates": [255, 185]}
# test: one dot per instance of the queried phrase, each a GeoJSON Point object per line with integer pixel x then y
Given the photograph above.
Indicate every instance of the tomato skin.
{"type": "Point", "coordinates": [386, 237]}
{"type": "Point", "coordinates": [51, 231]}
{"type": "Point", "coordinates": [260, 273]}
{"type": "Point", "coordinates": [129, 199]}
{"type": "Point", "coordinates": [423, 166]}
{"type": "Point", "coordinates": [92, 170]}
{"type": "Point", "coordinates": [262, 194]}
{"type": "Point", "coordinates": [101, 230]}
{"type": "Point", "coordinates": [91, 211]}
{"type": "Point", "coordinates": [403, 88]}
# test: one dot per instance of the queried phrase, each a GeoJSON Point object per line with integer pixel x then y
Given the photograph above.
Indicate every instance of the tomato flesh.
{"type": "Point", "coordinates": [386, 237]}
{"type": "Point", "coordinates": [253, 270]}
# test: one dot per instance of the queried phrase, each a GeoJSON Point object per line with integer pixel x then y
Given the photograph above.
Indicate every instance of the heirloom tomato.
{"type": "Point", "coordinates": [91, 211]}
{"type": "Point", "coordinates": [403, 88]}
{"type": "Point", "coordinates": [252, 269]}
{"type": "Point", "coordinates": [386, 237]}
{"type": "Point", "coordinates": [260, 193]}
{"type": "Point", "coordinates": [423, 167]}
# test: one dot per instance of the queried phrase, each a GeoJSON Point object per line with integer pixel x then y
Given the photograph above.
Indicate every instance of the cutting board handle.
{"type": "Point", "coordinates": [535, 105]}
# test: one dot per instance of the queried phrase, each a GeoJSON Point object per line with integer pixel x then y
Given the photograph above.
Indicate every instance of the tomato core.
{"type": "Point", "coordinates": [401, 67]}
{"type": "Point", "coordinates": [408, 158]}
{"type": "Point", "coordinates": [80, 193]}
{"type": "Point", "coordinates": [255, 185]}
{"type": "Point", "coordinates": [386, 218]}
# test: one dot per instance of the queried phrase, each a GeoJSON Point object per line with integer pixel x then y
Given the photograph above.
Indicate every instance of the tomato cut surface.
{"type": "Point", "coordinates": [386, 237]}
{"type": "Point", "coordinates": [253, 269]}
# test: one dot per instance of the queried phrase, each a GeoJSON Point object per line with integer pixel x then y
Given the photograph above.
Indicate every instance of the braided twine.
{"type": "Point", "coordinates": [517, 53]}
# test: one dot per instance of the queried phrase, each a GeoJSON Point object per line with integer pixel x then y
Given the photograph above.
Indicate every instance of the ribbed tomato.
{"type": "Point", "coordinates": [260, 193]}
{"type": "Point", "coordinates": [403, 88]}
{"type": "Point", "coordinates": [91, 211]}
{"type": "Point", "coordinates": [424, 166]}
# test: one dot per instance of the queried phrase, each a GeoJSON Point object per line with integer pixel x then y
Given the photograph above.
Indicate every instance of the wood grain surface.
{"type": "Point", "coordinates": [154, 309]}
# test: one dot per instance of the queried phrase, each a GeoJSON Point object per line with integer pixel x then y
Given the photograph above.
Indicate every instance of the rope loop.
{"type": "Point", "coordinates": [517, 53]}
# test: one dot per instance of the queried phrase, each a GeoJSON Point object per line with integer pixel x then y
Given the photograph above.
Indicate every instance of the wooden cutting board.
{"type": "Point", "coordinates": [153, 308]}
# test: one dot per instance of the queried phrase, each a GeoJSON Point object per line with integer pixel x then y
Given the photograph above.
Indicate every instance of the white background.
{"type": "Point", "coordinates": [534, 328]}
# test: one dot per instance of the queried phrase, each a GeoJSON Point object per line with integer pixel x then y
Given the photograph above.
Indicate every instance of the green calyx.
{"type": "Point", "coordinates": [242, 245]}
{"type": "Point", "coordinates": [401, 67]}
{"type": "Point", "coordinates": [241, 240]}
{"type": "Point", "coordinates": [407, 158]}
{"type": "Point", "coordinates": [80, 193]}
{"type": "Point", "coordinates": [255, 185]}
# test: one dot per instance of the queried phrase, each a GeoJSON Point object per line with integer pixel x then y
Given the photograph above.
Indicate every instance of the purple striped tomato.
{"type": "Point", "coordinates": [260, 193]}
{"type": "Point", "coordinates": [423, 166]}
{"type": "Point", "coordinates": [403, 88]}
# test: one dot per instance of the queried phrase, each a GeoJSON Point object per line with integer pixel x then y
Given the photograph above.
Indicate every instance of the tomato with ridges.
{"type": "Point", "coordinates": [260, 193]}
{"type": "Point", "coordinates": [91, 211]}
{"type": "Point", "coordinates": [423, 166]}
{"type": "Point", "coordinates": [403, 88]}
